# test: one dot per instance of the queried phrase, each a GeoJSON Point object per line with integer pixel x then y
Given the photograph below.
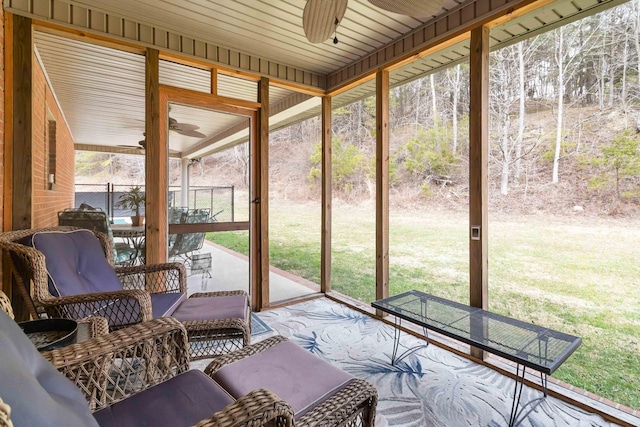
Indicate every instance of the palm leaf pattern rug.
{"type": "Point", "coordinates": [431, 387]}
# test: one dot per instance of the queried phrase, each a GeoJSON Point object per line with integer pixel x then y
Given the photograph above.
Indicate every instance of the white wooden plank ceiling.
{"type": "Point", "coordinates": [270, 29]}
{"type": "Point", "coordinates": [101, 90]}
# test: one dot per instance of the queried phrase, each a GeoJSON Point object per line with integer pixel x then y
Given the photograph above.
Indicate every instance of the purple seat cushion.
{"type": "Point", "coordinates": [204, 308]}
{"type": "Point", "coordinates": [182, 401]}
{"type": "Point", "coordinates": [38, 394]}
{"type": "Point", "coordinates": [294, 374]}
{"type": "Point", "coordinates": [76, 263]}
{"type": "Point", "coordinates": [165, 304]}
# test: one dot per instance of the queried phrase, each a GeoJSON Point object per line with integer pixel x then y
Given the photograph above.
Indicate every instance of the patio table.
{"type": "Point", "coordinates": [528, 345]}
{"type": "Point", "coordinates": [133, 234]}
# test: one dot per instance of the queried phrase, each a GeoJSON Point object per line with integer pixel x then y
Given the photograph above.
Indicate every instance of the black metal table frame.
{"type": "Point", "coordinates": [521, 361]}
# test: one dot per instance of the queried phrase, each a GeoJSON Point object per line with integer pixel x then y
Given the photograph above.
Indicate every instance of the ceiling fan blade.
{"type": "Point", "coordinates": [191, 132]}
{"type": "Point", "coordinates": [187, 129]}
{"type": "Point", "coordinates": [320, 18]}
{"type": "Point", "coordinates": [415, 8]}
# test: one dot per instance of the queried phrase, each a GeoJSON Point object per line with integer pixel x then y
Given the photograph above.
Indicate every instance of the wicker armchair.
{"type": "Point", "coordinates": [121, 308]}
{"type": "Point", "coordinates": [113, 373]}
{"type": "Point", "coordinates": [141, 373]}
{"type": "Point", "coordinates": [77, 279]}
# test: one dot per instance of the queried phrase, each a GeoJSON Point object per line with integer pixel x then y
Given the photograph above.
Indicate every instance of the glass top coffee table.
{"type": "Point", "coordinates": [528, 345]}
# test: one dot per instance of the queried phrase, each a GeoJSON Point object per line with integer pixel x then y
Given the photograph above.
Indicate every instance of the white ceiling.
{"type": "Point", "coordinates": [270, 29]}
{"type": "Point", "coordinates": [101, 90]}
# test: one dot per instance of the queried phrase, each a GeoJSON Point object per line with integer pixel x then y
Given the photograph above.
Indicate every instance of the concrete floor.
{"type": "Point", "coordinates": [230, 271]}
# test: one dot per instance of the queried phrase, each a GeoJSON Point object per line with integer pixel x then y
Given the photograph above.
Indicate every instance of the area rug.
{"type": "Point", "coordinates": [431, 387]}
{"type": "Point", "coordinates": [258, 327]}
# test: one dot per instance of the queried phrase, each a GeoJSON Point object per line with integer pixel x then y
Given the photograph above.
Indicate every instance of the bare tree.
{"type": "Point", "coordinates": [456, 89]}
{"type": "Point", "coordinates": [568, 52]}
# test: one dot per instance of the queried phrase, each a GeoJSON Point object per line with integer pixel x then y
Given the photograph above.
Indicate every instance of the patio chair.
{"type": "Point", "coordinates": [134, 377]}
{"type": "Point", "coordinates": [185, 244]}
{"type": "Point", "coordinates": [176, 215]}
{"type": "Point", "coordinates": [73, 277]}
{"type": "Point", "coordinates": [97, 220]}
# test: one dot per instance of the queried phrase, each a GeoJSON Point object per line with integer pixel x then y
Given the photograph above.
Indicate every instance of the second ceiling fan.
{"type": "Point", "coordinates": [186, 129]}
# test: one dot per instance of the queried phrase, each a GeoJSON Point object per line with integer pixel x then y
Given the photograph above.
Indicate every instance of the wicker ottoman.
{"type": "Point", "coordinates": [216, 322]}
{"type": "Point", "coordinates": [319, 393]}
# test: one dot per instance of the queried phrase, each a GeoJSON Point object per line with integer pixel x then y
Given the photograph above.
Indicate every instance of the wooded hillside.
{"type": "Point", "coordinates": [564, 131]}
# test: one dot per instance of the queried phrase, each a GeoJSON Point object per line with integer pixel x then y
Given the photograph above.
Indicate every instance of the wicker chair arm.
{"type": "Point", "coordinates": [98, 325]}
{"type": "Point", "coordinates": [171, 277]}
{"type": "Point", "coordinates": [258, 408]}
{"type": "Point", "coordinates": [218, 294]}
{"type": "Point", "coordinates": [111, 367]}
{"type": "Point", "coordinates": [120, 308]}
{"type": "Point", "coordinates": [356, 400]}
{"type": "Point", "coordinates": [223, 360]}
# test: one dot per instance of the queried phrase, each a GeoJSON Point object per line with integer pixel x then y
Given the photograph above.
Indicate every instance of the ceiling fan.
{"type": "Point", "coordinates": [185, 129]}
{"type": "Point", "coordinates": [320, 18]}
{"type": "Point", "coordinates": [142, 145]}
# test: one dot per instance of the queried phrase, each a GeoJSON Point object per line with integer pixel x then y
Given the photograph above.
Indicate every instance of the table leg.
{"type": "Point", "coordinates": [396, 339]}
{"type": "Point", "coordinates": [543, 381]}
{"type": "Point", "coordinates": [396, 343]}
{"type": "Point", "coordinates": [517, 393]}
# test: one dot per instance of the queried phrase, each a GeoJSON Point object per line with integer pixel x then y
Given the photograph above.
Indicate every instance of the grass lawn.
{"type": "Point", "coordinates": [578, 275]}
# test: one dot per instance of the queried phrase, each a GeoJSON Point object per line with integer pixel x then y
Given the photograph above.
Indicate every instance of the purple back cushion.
{"type": "Point", "coordinates": [38, 394]}
{"type": "Point", "coordinates": [76, 263]}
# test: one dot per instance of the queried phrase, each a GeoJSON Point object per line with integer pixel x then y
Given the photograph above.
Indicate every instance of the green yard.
{"type": "Point", "coordinates": [575, 274]}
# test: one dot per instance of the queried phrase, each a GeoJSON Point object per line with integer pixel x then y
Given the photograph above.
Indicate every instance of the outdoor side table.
{"type": "Point", "coordinates": [528, 345]}
{"type": "Point", "coordinates": [51, 334]}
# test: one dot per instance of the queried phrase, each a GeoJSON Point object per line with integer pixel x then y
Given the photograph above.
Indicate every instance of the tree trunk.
{"type": "Point", "coordinates": [506, 158]}
{"type": "Point", "coordinates": [636, 32]}
{"type": "Point", "coordinates": [433, 98]}
{"type": "Point", "coordinates": [612, 70]}
{"type": "Point", "coordinates": [522, 112]}
{"type": "Point", "coordinates": [625, 59]}
{"type": "Point", "coordinates": [417, 108]}
{"type": "Point", "coordinates": [559, 61]}
{"type": "Point", "coordinates": [454, 116]}
{"type": "Point", "coordinates": [603, 73]}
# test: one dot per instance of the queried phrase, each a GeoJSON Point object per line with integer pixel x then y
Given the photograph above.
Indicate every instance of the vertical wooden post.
{"type": "Point", "coordinates": [22, 108]}
{"type": "Point", "coordinates": [18, 173]}
{"type": "Point", "coordinates": [382, 184]}
{"type": "Point", "coordinates": [155, 163]}
{"type": "Point", "coordinates": [325, 244]}
{"type": "Point", "coordinates": [260, 200]}
{"type": "Point", "coordinates": [8, 146]}
{"type": "Point", "coordinates": [478, 172]}
{"type": "Point", "coordinates": [255, 270]}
